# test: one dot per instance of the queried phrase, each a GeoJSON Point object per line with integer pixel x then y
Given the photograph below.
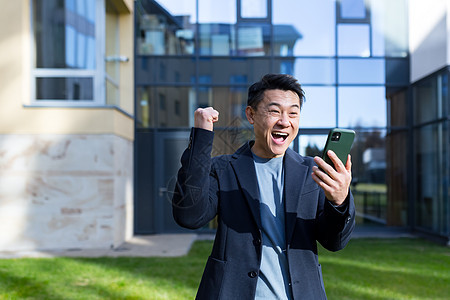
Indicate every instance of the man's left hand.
{"type": "Point", "coordinates": [334, 182]}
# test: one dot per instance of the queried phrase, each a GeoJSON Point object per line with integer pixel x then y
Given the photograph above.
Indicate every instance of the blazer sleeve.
{"type": "Point", "coordinates": [335, 224]}
{"type": "Point", "coordinates": [195, 198]}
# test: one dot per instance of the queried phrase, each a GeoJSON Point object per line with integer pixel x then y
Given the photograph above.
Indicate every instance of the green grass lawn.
{"type": "Point", "coordinates": [366, 269]}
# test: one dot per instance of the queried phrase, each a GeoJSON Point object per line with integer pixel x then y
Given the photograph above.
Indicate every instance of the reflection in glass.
{"type": "Point", "coordinates": [362, 107]}
{"type": "Point", "coordinates": [314, 22]}
{"type": "Point", "coordinates": [445, 94]}
{"type": "Point", "coordinates": [398, 109]}
{"type": "Point", "coordinates": [311, 145]}
{"type": "Point", "coordinates": [253, 40]}
{"type": "Point", "coordinates": [216, 39]}
{"type": "Point", "coordinates": [64, 88]}
{"type": "Point", "coordinates": [216, 12]}
{"type": "Point", "coordinates": [253, 8]}
{"type": "Point", "coordinates": [164, 69]}
{"type": "Point", "coordinates": [389, 20]}
{"type": "Point", "coordinates": [175, 106]}
{"type": "Point", "coordinates": [319, 109]}
{"type": "Point", "coordinates": [284, 38]}
{"type": "Point", "coordinates": [361, 71]}
{"type": "Point", "coordinates": [166, 28]}
{"type": "Point", "coordinates": [353, 40]}
{"type": "Point", "coordinates": [165, 106]}
{"type": "Point", "coordinates": [353, 9]}
{"type": "Point", "coordinates": [425, 97]}
{"type": "Point", "coordinates": [64, 33]}
{"type": "Point", "coordinates": [397, 71]}
{"type": "Point", "coordinates": [180, 8]}
{"type": "Point", "coordinates": [369, 188]}
{"type": "Point", "coordinates": [315, 70]}
{"type": "Point", "coordinates": [429, 176]}
{"type": "Point", "coordinates": [221, 69]}
{"type": "Point", "coordinates": [229, 139]}
{"type": "Point", "coordinates": [397, 210]}
{"type": "Point", "coordinates": [231, 104]}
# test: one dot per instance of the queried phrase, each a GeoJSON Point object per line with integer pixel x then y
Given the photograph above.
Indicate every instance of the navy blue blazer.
{"type": "Point", "coordinates": [226, 187]}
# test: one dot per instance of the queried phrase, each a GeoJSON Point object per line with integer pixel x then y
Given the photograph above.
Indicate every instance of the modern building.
{"type": "Point", "coordinates": [378, 67]}
{"type": "Point", "coordinates": [66, 123]}
{"type": "Point", "coordinates": [98, 99]}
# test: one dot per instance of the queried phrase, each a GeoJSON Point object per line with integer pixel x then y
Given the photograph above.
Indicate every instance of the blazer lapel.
{"type": "Point", "coordinates": [244, 168]}
{"type": "Point", "coordinates": [295, 176]}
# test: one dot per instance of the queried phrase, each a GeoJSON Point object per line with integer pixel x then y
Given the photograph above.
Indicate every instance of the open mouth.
{"type": "Point", "coordinates": [279, 137]}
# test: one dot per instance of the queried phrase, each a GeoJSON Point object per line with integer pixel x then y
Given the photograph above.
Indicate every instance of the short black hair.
{"type": "Point", "coordinates": [273, 82]}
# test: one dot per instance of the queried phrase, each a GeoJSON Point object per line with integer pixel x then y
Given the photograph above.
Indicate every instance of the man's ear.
{"type": "Point", "coordinates": [249, 112]}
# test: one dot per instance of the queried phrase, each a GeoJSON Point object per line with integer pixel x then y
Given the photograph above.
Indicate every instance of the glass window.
{"type": "Point", "coordinates": [64, 34]}
{"type": "Point", "coordinates": [250, 68]}
{"type": "Point", "coordinates": [362, 71]}
{"type": "Point", "coordinates": [311, 145]}
{"type": "Point", "coordinates": [166, 27]}
{"type": "Point", "coordinates": [397, 71]}
{"type": "Point", "coordinates": [254, 9]}
{"type": "Point", "coordinates": [217, 39]}
{"type": "Point", "coordinates": [362, 107]}
{"type": "Point", "coordinates": [353, 40]}
{"type": "Point", "coordinates": [253, 40]}
{"type": "Point", "coordinates": [153, 70]}
{"type": "Point", "coordinates": [444, 95]}
{"type": "Point", "coordinates": [216, 27]}
{"type": "Point", "coordinates": [229, 139]}
{"type": "Point", "coordinates": [165, 106]}
{"type": "Point", "coordinates": [425, 95]}
{"type": "Point", "coordinates": [397, 178]}
{"type": "Point", "coordinates": [309, 27]}
{"type": "Point", "coordinates": [429, 177]}
{"type": "Point", "coordinates": [64, 88]}
{"type": "Point", "coordinates": [216, 12]}
{"type": "Point", "coordinates": [389, 20]}
{"type": "Point", "coordinates": [353, 9]}
{"type": "Point", "coordinates": [66, 51]}
{"type": "Point", "coordinates": [231, 104]}
{"type": "Point", "coordinates": [398, 109]}
{"type": "Point", "coordinates": [319, 108]}
{"type": "Point", "coordinates": [369, 174]}
{"type": "Point", "coordinates": [315, 70]}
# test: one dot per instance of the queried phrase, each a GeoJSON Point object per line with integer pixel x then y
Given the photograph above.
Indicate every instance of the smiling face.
{"type": "Point", "coordinates": [275, 122]}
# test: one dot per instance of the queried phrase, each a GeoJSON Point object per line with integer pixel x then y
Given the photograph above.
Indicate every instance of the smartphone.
{"type": "Point", "coordinates": [340, 142]}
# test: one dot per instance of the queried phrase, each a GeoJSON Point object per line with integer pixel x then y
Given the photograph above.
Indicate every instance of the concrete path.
{"type": "Point", "coordinates": [163, 245]}
{"type": "Point", "coordinates": [171, 245]}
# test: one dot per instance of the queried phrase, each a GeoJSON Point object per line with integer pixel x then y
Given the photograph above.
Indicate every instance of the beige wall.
{"type": "Point", "coordinates": [16, 116]}
{"type": "Point", "coordinates": [65, 191]}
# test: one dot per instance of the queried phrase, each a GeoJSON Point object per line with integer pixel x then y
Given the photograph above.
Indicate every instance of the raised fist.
{"type": "Point", "coordinates": [205, 118]}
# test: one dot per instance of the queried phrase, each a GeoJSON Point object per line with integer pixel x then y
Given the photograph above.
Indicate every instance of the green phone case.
{"type": "Point", "coordinates": [341, 147]}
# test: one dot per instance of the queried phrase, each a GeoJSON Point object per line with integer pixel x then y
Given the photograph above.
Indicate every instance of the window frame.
{"type": "Point", "coordinates": [98, 74]}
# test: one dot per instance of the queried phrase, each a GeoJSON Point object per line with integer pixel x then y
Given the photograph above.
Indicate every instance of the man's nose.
{"type": "Point", "coordinates": [283, 120]}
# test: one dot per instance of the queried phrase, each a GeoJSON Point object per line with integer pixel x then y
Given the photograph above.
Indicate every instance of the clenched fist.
{"type": "Point", "coordinates": [205, 118]}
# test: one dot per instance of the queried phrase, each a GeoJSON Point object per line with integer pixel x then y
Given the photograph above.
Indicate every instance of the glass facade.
{"type": "Point", "coordinates": [351, 57]}
{"type": "Point", "coordinates": [431, 154]}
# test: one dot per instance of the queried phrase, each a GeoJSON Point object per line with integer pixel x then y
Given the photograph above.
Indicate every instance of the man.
{"type": "Point", "coordinates": [272, 204]}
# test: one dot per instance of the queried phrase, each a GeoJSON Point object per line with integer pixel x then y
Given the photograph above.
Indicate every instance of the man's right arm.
{"type": "Point", "coordinates": [195, 200]}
